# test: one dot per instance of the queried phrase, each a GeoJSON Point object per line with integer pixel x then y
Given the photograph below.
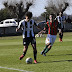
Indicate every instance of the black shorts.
{"type": "Point", "coordinates": [28, 40]}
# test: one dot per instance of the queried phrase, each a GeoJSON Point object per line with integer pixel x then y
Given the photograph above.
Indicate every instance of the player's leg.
{"type": "Point", "coordinates": [24, 52]}
{"type": "Point", "coordinates": [34, 52]}
{"type": "Point", "coordinates": [48, 49]}
{"type": "Point", "coordinates": [60, 35]}
{"type": "Point", "coordinates": [25, 43]}
{"type": "Point", "coordinates": [48, 43]}
{"type": "Point", "coordinates": [52, 40]}
{"type": "Point", "coordinates": [33, 43]}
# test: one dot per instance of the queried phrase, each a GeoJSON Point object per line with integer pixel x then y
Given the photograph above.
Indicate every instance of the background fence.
{"type": "Point", "coordinates": [12, 30]}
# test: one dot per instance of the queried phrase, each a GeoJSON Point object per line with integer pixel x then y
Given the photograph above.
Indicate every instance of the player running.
{"type": "Point", "coordinates": [51, 28]}
{"type": "Point", "coordinates": [61, 20]}
{"type": "Point", "coordinates": [28, 34]}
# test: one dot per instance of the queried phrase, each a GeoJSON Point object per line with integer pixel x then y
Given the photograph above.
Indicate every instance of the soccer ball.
{"type": "Point", "coordinates": [29, 60]}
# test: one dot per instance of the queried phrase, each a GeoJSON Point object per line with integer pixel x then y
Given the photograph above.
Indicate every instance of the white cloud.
{"type": "Point", "coordinates": [69, 9]}
{"type": "Point", "coordinates": [38, 8]}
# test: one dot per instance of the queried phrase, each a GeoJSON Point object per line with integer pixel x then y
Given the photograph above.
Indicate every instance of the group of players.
{"type": "Point", "coordinates": [50, 28]}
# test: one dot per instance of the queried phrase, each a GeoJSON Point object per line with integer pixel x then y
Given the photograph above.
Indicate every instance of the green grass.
{"type": "Point", "coordinates": [58, 59]}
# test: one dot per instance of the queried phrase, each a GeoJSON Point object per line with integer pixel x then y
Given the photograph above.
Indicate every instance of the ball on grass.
{"type": "Point", "coordinates": [29, 60]}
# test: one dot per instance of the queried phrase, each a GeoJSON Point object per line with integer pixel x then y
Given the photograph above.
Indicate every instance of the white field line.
{"type": "Point", "coordinates": [15, 69]}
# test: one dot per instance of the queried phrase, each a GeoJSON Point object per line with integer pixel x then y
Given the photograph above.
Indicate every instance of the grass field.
{"type": "Point", "coordinates": [58, 59]}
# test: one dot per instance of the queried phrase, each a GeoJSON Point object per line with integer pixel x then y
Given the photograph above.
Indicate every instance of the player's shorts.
{"type": "Point", "coordinates": [50, 39]}
{"type": "Point", "coordinates": [28, 40]}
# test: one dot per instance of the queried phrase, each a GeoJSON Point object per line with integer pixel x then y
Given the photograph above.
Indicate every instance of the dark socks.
{"type": "Point", "coordinates": [35, 54]}
{"type": "Point", "coordinates": [47, 50]}
{"type": "Point", "coordinates": [46, 47]}
{"type": "Point", "coordinates": [60, 35]}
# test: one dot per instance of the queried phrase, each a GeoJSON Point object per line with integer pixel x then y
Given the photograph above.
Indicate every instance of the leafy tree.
{"type": "Point", "coordinates": [4, 14]}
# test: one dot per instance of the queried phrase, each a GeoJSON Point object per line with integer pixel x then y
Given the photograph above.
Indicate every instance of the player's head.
{"type": "Point", "coordinates": [60, 14]}
{"type": "Point", "coordinates": [28, 15]}
{"type": "Point", "coordinates": [52, 17]}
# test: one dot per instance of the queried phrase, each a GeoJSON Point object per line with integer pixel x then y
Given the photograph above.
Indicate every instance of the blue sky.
{"type": "Point", "coordinates": [38, 8]}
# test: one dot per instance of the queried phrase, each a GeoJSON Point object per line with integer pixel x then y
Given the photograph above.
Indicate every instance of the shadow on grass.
{"type": "Point", "coordinates": [60, 55]}
{"type": "Point", "coordinates": [54, 61]}
{"type": "Point", "coordinates": [57, 60]}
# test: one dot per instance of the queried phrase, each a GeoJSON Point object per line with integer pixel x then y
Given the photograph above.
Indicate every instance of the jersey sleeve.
{"type": "Point", "coordinates": [35, 23]}
{"type": "Point", "coordinates": [20, 25]}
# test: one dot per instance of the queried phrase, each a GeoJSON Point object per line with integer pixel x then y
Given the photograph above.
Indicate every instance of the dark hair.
{"type": "Point", "coordinates": [53, 15]}
{"type": "Point", "coordinates": [29, 14]}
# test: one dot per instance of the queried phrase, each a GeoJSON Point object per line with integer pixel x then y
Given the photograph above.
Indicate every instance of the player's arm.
{"type": "Point", "coordinates": [58, 19]}
{"type": "Point", "coordinates": [44, 30]}
{"type": "Point", "coordinates": [37, 26]}
{"type": "Point", "coordinates": [19, 26]}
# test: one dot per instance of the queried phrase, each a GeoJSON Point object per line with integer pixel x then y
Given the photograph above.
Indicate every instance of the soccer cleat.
{"type": "Point", "coordinates": [44, 54]}
{"type": "Point", "coordinates": [60, 40]}
{"type": "Point", "coordinates": [35, 61]}
{"type": "Point", "coordinates": [21, 57]}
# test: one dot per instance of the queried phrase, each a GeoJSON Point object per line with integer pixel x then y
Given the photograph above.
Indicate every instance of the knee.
{"type": "Point", "coordinates": [25, 48]}
{"type": "Point", "coordinates": [49, 46]}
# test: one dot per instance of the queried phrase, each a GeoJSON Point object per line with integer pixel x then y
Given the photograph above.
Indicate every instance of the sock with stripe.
{"type": "Point", "coordinates": [45, 48]}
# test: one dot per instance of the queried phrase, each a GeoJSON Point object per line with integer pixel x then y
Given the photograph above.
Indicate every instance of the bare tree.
{"type": "Point", "coordinates": [66, 5]}
{"type": "Point", "coordinates": [56, 6]}
{"type": "Point", "coordinates": [19, 9]}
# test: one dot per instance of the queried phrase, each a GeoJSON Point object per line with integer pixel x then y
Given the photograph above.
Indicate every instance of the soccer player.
{"type": "Point", "coordinates": [61, 19]}
{"type": "Point", "coordinates": [51, 28]}
{"type": "Point", "coordinates": [28, 34]}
